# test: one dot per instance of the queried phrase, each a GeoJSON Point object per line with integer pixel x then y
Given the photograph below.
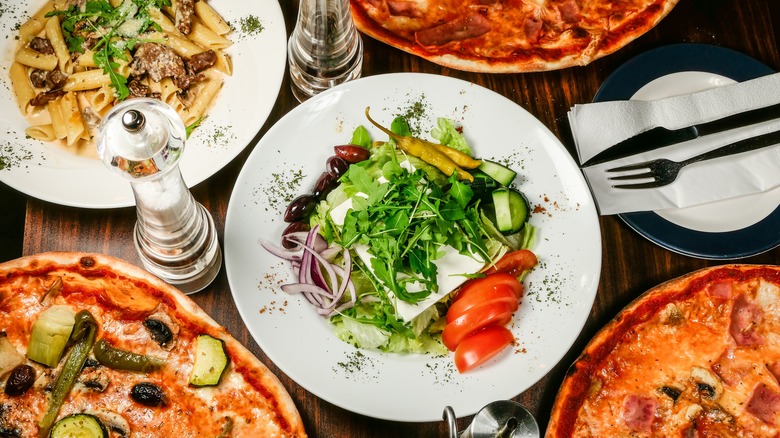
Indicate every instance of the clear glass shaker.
{"type": "Point", "coordinates": [324, 49]}
{"type": "Point", "coordinates": [142, 140]}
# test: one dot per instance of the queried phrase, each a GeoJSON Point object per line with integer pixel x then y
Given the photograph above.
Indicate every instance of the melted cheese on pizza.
{"type": "Point", "coordinates": [242, 404]}
{"type": "Point", "coordinates": [705, 363]}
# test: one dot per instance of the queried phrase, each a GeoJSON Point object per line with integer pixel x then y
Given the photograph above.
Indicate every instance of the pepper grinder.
{"type": "Point", "coordinates": [142, 139]}
{"type": "Point", "coordinates": [324, 49]}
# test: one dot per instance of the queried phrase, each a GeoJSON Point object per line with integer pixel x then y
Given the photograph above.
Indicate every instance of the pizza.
{"type": "Point", "coordinates": [92, 346]}
{"type": "Point", "coordinates": [508, 36]}
{"type": "Point", "coordinates": [698, 356]}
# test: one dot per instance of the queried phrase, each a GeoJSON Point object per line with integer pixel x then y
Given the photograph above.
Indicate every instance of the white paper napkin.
{"type": "Point", "coordinates": [597, 126]}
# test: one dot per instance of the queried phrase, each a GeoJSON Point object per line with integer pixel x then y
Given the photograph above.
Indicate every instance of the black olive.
{"type": "Point", "coordinates": [90, 363]}
{"type": "Point", "coordinates": [336, 166]}
{"type": "Point", "coordinates": [6, 432]}
{"type": "Point", "coordinates": [20, 380]}
{"type": "Point", "coordinates": [673, 393]}
{"type": "Point", "coordinates": [324, 185]}
{"type": "Point", "coordinates": [293, 228]}
{"type": "Point", "coordinates": [159, 331]}
{"type": "Point", "coordinates": [300, 208]}
{"type": "Point", "coordinates": [148, 394]}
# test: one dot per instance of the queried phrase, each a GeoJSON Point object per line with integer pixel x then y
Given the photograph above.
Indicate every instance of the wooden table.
{"type": "Point", "coordinates": [631, 264]}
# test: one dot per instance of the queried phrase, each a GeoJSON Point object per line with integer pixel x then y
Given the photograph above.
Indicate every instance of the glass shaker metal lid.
{"type": "Point", "coordinates": [141, 137]}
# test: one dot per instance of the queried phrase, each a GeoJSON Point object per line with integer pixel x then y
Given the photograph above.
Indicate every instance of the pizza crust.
{"type": "Point", "coordinates": [271, 396]}
{"type": "Point", "coordinates": [704, 298]}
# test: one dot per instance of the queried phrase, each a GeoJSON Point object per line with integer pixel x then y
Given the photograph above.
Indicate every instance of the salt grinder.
{"type": "Point", "coordinates": [143, 139]}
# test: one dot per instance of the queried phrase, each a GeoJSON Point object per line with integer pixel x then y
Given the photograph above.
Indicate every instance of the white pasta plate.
{"type": "Point", "coordinates": [413, 388]}
{"type": "Point", "coordinates": [51, 173]}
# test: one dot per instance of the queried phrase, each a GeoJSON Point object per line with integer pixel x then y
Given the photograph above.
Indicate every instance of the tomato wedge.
{"type": "Point", "coordinates": [514, 263]}
{"type": "Point", "coordinates": [475, 297]}
{"type": "Point", "coordinates": [498, 313]}
{"type": "Point", "coordinates": [491, 281]}
{"type": "Point", "coordinates": [480, 346]}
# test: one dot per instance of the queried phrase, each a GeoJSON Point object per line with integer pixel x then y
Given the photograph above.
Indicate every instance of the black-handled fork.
{"type": "Point", "coordinates": [664, 171]}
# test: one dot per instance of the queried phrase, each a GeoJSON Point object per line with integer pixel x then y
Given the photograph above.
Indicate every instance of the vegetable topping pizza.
{"type": "Point", "coordinates": [94, 347]}
{"type": "Point", "coordinates": [503, 36]}
{"type": "Point", "coordinates": [698, 356]}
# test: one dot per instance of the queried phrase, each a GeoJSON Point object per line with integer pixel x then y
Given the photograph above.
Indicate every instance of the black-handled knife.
{"type": "Point", "coordinates": [659, 136]}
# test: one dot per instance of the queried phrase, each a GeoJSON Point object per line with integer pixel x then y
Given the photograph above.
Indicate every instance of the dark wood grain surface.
{"type": "Point", "coordinates": [631, 264]}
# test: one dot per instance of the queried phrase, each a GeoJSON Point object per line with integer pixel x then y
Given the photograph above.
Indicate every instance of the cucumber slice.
{"type": "Point", "coordinates": [50, 334]}
{"type": "Point", "coordinates": [79, 426]}
{"type": "Point", "coordinates": [512, 210]}
{"type": "Point", "coordinates": [211, 361]}
{"type": "Point", "coordinates": [498, 172]}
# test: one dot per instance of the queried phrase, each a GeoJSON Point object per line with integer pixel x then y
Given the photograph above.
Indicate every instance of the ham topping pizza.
{"type": "Point", "coordinates": [94, 347]}
{"type": "Point", "coordinates": [698, 356]}
{"type": "Point", "coordinates": [504, 36]}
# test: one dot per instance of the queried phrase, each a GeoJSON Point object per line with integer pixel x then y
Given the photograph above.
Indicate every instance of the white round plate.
{"type": "Point", "coordinates": [727, 229]}
{"type": "Point", "coordinates": [412, 388]}
{"type": "Point", "coordinates": [50, 173]}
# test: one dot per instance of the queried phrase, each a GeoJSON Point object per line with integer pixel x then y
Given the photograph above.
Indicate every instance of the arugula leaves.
{"type": "Point", "coordinates": [406, 222]}
{"type": "Point", "coordinates": [115, 30]}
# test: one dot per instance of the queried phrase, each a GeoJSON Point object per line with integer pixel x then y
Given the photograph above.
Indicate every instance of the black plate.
{"type": "Point", "coordinates": [639, 71]}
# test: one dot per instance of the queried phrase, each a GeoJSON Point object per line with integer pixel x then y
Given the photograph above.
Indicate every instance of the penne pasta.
{"type": "Point", "coordinates": [54, 33]}
{"type": "Point", "coordinates": [206, 94]}
{"type": "Point", "coordinates": [87, 80]}
{"type": "Point", "coordinates": [71, 115]}
{"type": "Point", "coordinates": [206, 37]}
{"type": "Point", "coordinates": [100, 98]}
{"type": "Point", "coordinates": [182, 46]}
{"type": "Point", "coordinates": [31, 58]}
{"type": "Point", "coordinates": [86, 60]}
{"type": "Point", "coordinates": [224, 63]}
{"type": "Point", "coordinates": [41, 132]}
{"type": "Point", "coordinates": [211, 18]}
{"type": "Point", "coordinates": [57, 121]}
{"type": "Point", "coordinates": [22, 87]}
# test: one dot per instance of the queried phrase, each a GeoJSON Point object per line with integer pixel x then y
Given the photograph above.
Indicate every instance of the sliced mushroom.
{"type": "Point", "coordinates": [707, 383]}
{"type": "Point", "coordinates": [9, 357]}
{"type": "Point", "coordinates": [52, 291]}
{"type": "Point", "coordinates": [672, 315]}
{"type": "Point", "coordinates": [162, 329]}
{"type": "Point", "coordinates": [670, 391]}
{"type": "Point", "coordinates": [95, 379]}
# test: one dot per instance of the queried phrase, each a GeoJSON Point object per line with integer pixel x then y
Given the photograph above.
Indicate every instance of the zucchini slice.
{"type": "Point", "coordinates": [498, 172]}
{"type": "Point", "coordinates": [211, 361]}
{"type": "Point", "coordinates": [512, 210]}
{"type": "Point", "coordinates": [79, 426]}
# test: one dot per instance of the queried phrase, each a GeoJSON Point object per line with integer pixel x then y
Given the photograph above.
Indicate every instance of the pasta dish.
{"type": "Point", "coordinates": [77, 58]}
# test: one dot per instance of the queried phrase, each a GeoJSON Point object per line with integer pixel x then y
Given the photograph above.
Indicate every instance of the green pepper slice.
{"type": "Point", "coordinates": [82, 337]}
{"type": "Point", "coordinates": [119, 359]}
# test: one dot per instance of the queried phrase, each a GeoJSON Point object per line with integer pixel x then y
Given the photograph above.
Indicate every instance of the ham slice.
{"type": "Point", "coordinates": [721, 289]}
{"type": "Point", "coordinates": [639, 412]}
{"type": "Point", "coordinates": [403, 9]}
{"type": "Point", "coordinates": [570, 11]}
{"type": "Point", "coordinates": [462, 28]}
{"type": "Point", "coordinates": [764, 404]}
{"type": "Point", "coordinates": [745, 319]}
{"type": "Point", "coordinates": [774, 368]}
{"type": "Point", "coordinates": [532, 29]}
